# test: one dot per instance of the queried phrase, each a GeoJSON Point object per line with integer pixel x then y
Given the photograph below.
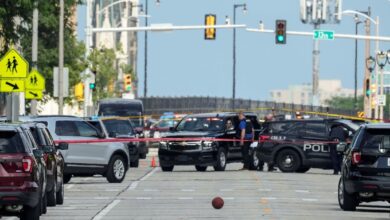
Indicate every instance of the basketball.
{"type": "Point", "coordinates": [217, 202]}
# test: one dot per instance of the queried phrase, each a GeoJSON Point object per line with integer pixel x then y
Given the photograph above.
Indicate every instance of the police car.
{"type": "Point", "coordinates": [298, 145]}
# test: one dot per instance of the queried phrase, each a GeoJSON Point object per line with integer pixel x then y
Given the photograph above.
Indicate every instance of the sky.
{"type": "Point", "coordinates": [182, 63]}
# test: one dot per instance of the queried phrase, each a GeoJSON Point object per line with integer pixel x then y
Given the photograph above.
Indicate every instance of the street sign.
{"type": "Point", "coordinates": [65, 82]}
{"type": "Point", "coordinates": [13, 65]}
{"type": "Point", "coordinates": [360, 114]}
{"type": "Point", "coordinates": [12, 85]}
{"type": "Point", "coordinates": [381, 100]}
{"type": "Point", "coordinates": [33, 94]}
{"type": "Point", "coordinates": [323, 35]}
{"type": "Point", "coordinates": [35, 81]}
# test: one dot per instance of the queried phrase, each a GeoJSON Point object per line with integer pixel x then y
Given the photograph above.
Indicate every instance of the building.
{"type": "Point", "coordinates": [302, 94]}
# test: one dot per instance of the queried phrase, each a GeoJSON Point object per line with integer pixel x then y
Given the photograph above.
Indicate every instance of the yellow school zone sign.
{"type": "Point", "coordinates": [12, 85]}
{"type": "Point", "coordinates": [35, 81]}
{"type": "Point", "coordinates": [33, 94]}
{"type": "Point", "coordinates": [13, 65]}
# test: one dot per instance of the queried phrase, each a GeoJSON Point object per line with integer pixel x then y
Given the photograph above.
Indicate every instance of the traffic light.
{"type": "Point", "coordinates": [368, 90]}
{"type": "Point", "coordinates": [92, 86]}
{"type": "Point", "coordinates": [280, 31]}
{"type": "Point", "coordinates": [127, 82]}
{"type": "Point", "coordinates": [210, 33]}
{"type": "Point", "coordinates": [79, 91]}
{"type": "Point", "coordinates": [373, 88]}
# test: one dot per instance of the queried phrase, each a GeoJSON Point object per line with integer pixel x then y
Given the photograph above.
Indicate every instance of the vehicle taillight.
{"type": "Point", "coordinates": [264, 138]}
{"type": "Point", "coordinates": [356, 157]}
{"type": "Point", "coordinates": [27, 164]}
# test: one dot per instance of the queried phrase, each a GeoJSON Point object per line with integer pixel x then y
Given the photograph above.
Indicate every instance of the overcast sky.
{"type": "Point", "coordinates": [182, 63]}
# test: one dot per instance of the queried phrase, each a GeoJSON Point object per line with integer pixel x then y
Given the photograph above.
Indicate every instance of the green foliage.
{"type": "Point", "coordinates": [346, 103]}
{"type": "Point", "coordinates": [103, 63]}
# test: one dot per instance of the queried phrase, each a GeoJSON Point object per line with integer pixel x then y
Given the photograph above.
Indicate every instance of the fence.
{"type": "Point", "coordinates": [159, 105]}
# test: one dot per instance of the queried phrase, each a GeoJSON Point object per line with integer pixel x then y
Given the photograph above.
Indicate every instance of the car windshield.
{"type": "Point", "coordinates": [200, 124]}
{"type": "Point", "coordinates": [120, 127]}
{"type": "Point", "coordinates": [10, 142]}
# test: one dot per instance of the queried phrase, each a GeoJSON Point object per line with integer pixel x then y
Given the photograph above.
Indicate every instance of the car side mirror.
{"type": "Point", "coordinates": [341, 147]}
{"type": "Point", "coordinates": [38, 153]}
{"type": "Point", "coordinates": [48, 149]}
{"type": "Point", "coordinates": [63, 146]}
{"type": "Point", "coordinates": [112, 134]}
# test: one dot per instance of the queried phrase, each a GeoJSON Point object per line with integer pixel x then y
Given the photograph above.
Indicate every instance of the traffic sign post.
{"type": "Point", "coordinates": [323, 35]}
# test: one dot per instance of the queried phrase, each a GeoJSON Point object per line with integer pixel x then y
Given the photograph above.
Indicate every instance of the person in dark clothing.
{"type": "Point", "coordinates": [337, 134]}
{"type": "Point", "coordinates": [269, 117]}
{"type": "Point", "coordinates": [245, 133]}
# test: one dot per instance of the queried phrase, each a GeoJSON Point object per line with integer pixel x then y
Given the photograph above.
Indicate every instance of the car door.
{"type": "Point", "coordinates": [81, 153]}
{"type": "Point", "coordinates": [234, 145]}
{"type": "Point", "coordinates": [315, 138]}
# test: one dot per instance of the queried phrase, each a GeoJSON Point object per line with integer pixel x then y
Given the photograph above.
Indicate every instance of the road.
{"type": "Point", "coordinates": [149, 193]}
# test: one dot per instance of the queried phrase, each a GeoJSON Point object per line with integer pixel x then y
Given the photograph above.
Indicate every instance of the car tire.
{"type": "Point", "coordinates": [254, 161]}
{"type": "Point", "coordinates": [347, 202]}
{"type": "Point", "coordinates": [116, 169]}
{"type": "Point", "coordinates": [44, 204]}
{"type": "Point", "coordinates": [200, 168]}
{"type": "Point", "coordinates": [31, 213]}
{"type": "Point", "coordinates": [303, 169]}
{"type": "Point", "coordinates": [221, 160]}
{"type": "Point", "coordinates": [60, 193]}
{"type": "Point", "coordinates": [167, 168]}
{"type": "Point", "coordinates": [52, 195]}
{"type": "Point", "coordinates": [67, 178]}
{"type": "Point", "coordinates": [134, 163]}
{"type": "Point", "coordinates": [288, 161]}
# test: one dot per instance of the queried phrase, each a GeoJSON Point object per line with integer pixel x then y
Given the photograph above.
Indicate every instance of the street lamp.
{"type": "Point", "coordinates": [357, 22]}
{"type": "Point", "coordinates": [235, 6]}
{"type": "Point", "coordinates": [146, 50]}
{"type": "Point", "coordinates": [381, 60]}
{"type": "Point", "coordinates": [370, 64]}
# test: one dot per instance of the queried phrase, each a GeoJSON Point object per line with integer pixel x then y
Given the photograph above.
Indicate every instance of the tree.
{"type": "Point", "coordinates": [103, 64]}
{"type": "Point", "coordinates": [345, 103]}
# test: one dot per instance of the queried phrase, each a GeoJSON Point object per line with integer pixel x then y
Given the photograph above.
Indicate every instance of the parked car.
{"type": "Point", "coordinates": [110, 159]}
{"type": "Point", "coordinates": [164, 124]}
{"type": "Point", "coordinates": [298, 145]}
{"type": "Point", "coordinates": [54, 162]}
{"type": "Point", "coordinates": [365, 171]}
{"type": "Point", "coordinates": [121, 128]}
{"type": "Point", "coordinates": [202, 154]}
{"type": "Point", "coordinates": [23, 173]}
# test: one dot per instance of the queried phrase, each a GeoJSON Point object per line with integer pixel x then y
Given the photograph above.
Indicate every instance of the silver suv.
{"type": "Point", "coordinates": [110, 159]}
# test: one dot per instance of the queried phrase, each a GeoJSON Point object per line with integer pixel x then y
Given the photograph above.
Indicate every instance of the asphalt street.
{"type": "Point", "coordinates": [149, 193]}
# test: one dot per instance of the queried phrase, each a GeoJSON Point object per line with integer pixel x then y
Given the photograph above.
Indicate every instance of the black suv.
{"type": "Point", "coordinates": [365, 172]}
{"type": "Point", "coordinates": [23, 173]}
{"type": "Point", "coordinates": [298, 145]}
{"type": "Point", "coordinates": [54, 162]}
{"type": "Point", "coordinates": [205, 153]}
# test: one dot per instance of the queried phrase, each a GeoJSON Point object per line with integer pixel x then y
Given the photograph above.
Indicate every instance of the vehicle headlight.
{"type": "Point", "coordinates": [163, 145]}
{"type": "Point", "coordinates": [208, 145]}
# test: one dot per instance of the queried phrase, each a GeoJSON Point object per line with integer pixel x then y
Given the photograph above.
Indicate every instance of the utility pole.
{"type": "Point", "coordinates": [146, 53]}
{"type": "Point", "coordinates": [34, 50]}
{"type": "Point", "coordinates": [316, 68]}
{"type": "Point", "coordinates": [61, 61]}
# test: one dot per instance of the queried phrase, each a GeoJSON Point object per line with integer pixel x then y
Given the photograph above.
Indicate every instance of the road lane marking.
{"type": "Point", "coordinates": [148, 175]}
{"type": "Point", "coordinates": [150, 190]}
{"type": "Point", "coordinates": [69, 186]}
{"type": "Point", "coordinates": [268, 198]}
{"type": "Point", "coordinates": [265, 190]}
{"type": "Point", "coordinates": [263, 201]}
{"type": "Point", "coordinates": [133, 185]}
{"type": "Point", "coordinates": [187, 190]}
{"type": "Point", "coordinates": [106, 210]}
{"type": "Point", "coordinates": [302, 191]}
{"type": "Point", "coordinates": [143, 198]}
{"type": "Point", "coordinates": [309, 200]}
{"type": "Point", "coordinates": [226, 190]}
{"type": "Point", "coordinates": [228, 198]}
{"type": "Point", "coordinates": [185, 198]}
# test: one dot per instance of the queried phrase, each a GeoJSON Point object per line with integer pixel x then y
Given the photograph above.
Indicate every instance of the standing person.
{"type": "Point", "coordinates": [337, 134]}
{"type": "Point", "coordinates": [245, 133]}
{"type": "Point", "coordinates": [269, 117]}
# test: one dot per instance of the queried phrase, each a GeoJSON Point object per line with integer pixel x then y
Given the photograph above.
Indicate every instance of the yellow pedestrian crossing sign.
{"type": "Point", "coordinates": [33, 94]}
{"type": "Point", "coordinates": [12, 85]}
{"type": "Point", "coordinates": [13, 65]}
{"type": "Point", "coordinates": [35, 81]}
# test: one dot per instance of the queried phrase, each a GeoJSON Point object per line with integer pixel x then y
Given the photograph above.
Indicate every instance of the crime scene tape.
{"type": "Point", "coordinates": [86, 141]}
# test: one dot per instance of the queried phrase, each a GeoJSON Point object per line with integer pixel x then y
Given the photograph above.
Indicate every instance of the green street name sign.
{"type": "Point", "coordinates": [323, 35]}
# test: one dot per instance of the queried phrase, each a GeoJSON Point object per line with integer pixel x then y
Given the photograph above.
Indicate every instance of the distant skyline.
{"type": "Point", "coordinates": [182, 63]}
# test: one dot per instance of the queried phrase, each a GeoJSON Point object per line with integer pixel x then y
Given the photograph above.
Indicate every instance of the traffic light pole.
{"type": "Point", "coordinates": [316, 67]}
{"type": "Point", "coordinates": [34, 55]}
